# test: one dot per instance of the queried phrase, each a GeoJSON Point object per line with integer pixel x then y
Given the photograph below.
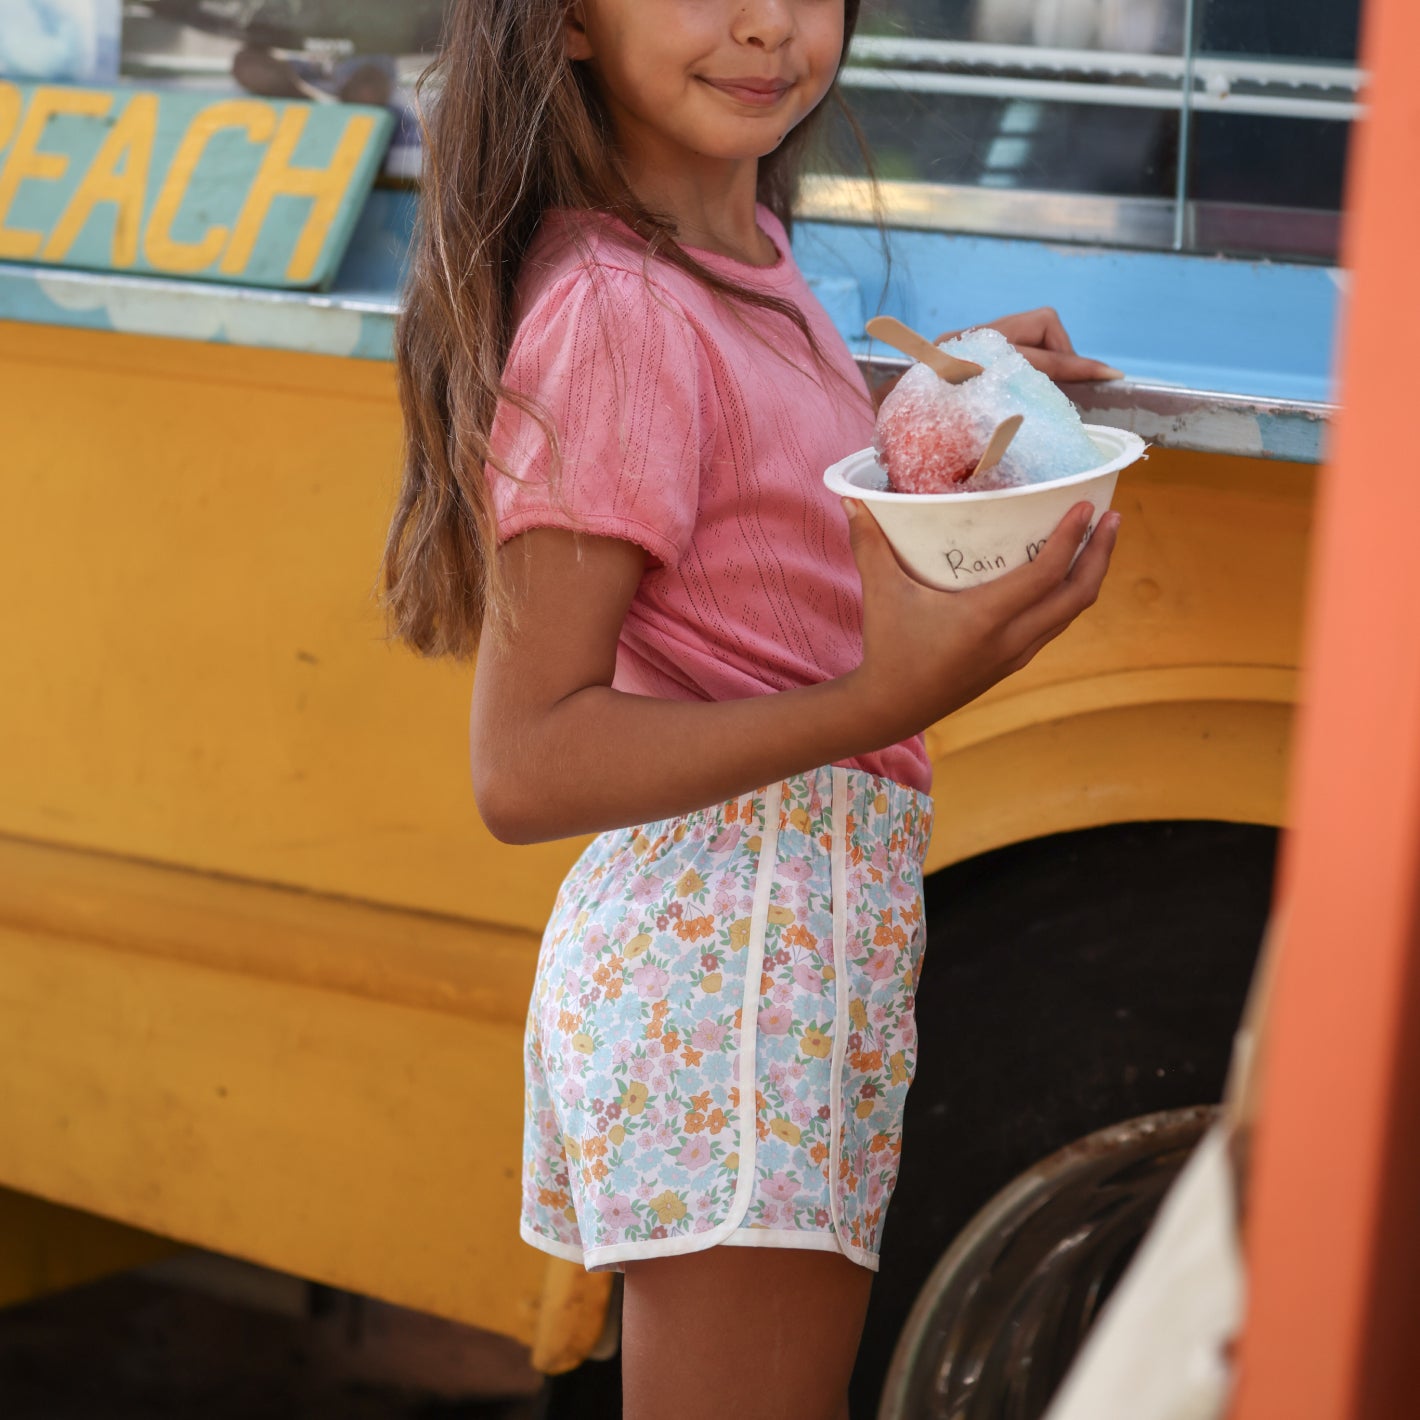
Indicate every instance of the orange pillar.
{"type": "Point", "coordinates": [1333, 1227]}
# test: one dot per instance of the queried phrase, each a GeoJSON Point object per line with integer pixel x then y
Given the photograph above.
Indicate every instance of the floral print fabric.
{"type": "Point", "coordinates": [721, 1033]}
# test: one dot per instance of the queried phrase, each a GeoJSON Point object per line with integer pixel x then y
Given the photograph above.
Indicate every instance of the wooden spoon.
{"type": "Point", "coordinates": [997, 445]}
{"type": "Point", "coordinates": [891, 331]}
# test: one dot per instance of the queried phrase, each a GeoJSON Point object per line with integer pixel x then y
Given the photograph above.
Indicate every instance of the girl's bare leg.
{"type": "Point", "coordinates": [749, 1333]}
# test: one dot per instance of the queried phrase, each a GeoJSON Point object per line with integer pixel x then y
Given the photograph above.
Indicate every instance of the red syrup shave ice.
{"type": "Point", "coordinates": [930, 435]}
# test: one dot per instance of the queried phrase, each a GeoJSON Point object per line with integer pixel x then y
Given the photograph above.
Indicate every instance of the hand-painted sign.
{"type": "Point", "coordinates": [249, 190]}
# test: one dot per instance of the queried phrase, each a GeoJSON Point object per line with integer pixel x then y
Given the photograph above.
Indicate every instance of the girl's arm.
{"type": "Point", "coordinates": [556, 751]}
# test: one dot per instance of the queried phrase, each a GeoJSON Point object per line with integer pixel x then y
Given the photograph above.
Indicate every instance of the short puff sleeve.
{"type": "Point", "coordinates": [612, 362]}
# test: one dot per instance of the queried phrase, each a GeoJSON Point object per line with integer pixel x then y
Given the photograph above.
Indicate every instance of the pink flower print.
{"type": "Point", "coordinates": [776, 1020]}
{"type": "Point", "coordinates": [650, 982]}
{"type": "Point", "coordinates": [875, 1189]}
{"type": "Point", "coordinates": [573, 1091]}
{"type": "Point", "coordinates": [881, 965]}
{"type": "Point", "coordinates": [781, 1186]}
{"type": "Point", "coordinates": [616, 1212]}
{"type": "Point", "coordinates": [723, 903]}
{"type": "Point", "coordinates": [696, 1153]}
{"type": "Point", "coordinates": [708, 1036]}
{"type": "Point", "coordinates": [783, 993]}
{"type": "Point", "coordinates": [645, 1190]}
{"type": "Point", "coordinates": [800, 870]}
{"type": "Point", "coordinates": [663, 1138]}
{"type": "Point", "coordinates": [796, 1069]}
{"type": "Point", "coordinates": [901, 888]}
{"type": "Point", "coordinates": [808, 978]}
{"type": "Point", "coordinates": [799, 1112]}
{"type": "Point", "coordinates": [595, 942]}
{"type": "Point", "coordinates": [703, 1225]}
{"type": "Point", "coordinates": [621, 1052]}
{"type": "Point", "coordinates": [879, 1015]}
{"type": "Point", "coordinates": [778, 1074]}
{"type": "Point", "coordinates": [645, 887]}
{"type": "Point", "coordinates": [724, 842]}
{"type": "Point", "coordinates": [642, 1069]}
{"type": "Point", "coordinates": [776, 1215]}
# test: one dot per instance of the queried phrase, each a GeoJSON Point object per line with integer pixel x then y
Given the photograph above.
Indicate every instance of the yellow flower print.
{"type": "Point", "coordinates": [583, 1044]}
{"type": "Point", "coordinates": [786, 1130]}
{"type": "Point", "coordinates": [753, 844]}
{"type": "Point", "coordinates": [858, 1014]}
{"type": "Point", "coordinates": [638, 945]}
{"type": "Point", "coordinates": [712, 983]}
{"type": "Point", "coordinates": [781, 916]}
{"type": "Point", "coordinates": [898, 1062]}
{"type": "Point", "coordinates": [800, 819]}
{"type": "Point", "coordinates": [640, 844]}
{"type": "Point", "coordinates": [880, 803]}
{"type": "Point", "coordinates": [581, 920]}
{"type": "Point", "coordinates": [689, 881]}
{"type": "Point", "coordinates": [864, 1108]}
{"type": "Point", "coordinates": [633, 1100]}
{"type": "Point", "coordinates": [668, 1207]}
{"type": "Point", "coordinates": [814, 1042]}
{"type": "Point", "coordinates": [732, 1162]}
{"type": "Point", "coordinates": [617, 1135]}
{"type": "Point", "coordinates": [739, 934]}
{"type": "Point", "coordinates": [572, 1148]}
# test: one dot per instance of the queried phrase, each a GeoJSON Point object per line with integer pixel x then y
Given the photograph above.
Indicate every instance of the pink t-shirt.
{"type": "Point", "coordinates": [685, 433]}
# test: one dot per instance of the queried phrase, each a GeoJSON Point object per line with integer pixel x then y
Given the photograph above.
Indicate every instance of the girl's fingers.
{"type": "Point", "coordinates": [1076, 591]}
{"type": "Point", "coordinates": [1069, 368]}
{"type": "Point", "coordinates": [1027, 586]}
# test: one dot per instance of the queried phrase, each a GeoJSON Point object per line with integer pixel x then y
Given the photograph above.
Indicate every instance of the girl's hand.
{"type": "Point", "coordinates": [928, 652]}
{"type": "Point", "coordinates": [1042, 339]}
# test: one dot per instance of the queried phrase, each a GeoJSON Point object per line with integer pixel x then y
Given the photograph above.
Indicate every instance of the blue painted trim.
{"type": "Point", "coordinates": [1224, 356]}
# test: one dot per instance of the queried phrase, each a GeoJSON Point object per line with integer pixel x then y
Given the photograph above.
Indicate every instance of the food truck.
{"type": "Point", "coordinates": [263, 971]}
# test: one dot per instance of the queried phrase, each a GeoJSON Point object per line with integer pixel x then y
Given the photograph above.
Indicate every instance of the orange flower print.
{"type": "Point", "coordinates": [692, 929]}
{"type": "Point", "coordinates": [799, 936]}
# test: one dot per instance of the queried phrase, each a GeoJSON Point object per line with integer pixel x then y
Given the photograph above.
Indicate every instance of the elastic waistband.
{"type": "Point", "coordinates": [894, 814]}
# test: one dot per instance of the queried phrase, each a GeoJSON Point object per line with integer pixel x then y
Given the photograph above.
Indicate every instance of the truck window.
{"type": "Point", "coordinates": [1196, 125]}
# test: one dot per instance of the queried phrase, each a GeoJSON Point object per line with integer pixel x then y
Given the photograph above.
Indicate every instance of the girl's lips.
{"type": "Point", "coordinates": [759, 93]}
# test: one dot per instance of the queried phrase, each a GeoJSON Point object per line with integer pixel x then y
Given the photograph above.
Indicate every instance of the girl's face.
{"type": "Point", "coordinates": [717, 79]}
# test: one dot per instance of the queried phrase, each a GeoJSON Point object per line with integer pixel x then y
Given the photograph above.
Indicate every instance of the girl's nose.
{"type": "Point", "coordinates": [766, 24]}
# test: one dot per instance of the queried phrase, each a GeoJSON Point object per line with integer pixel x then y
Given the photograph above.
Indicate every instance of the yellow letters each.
{"type": "Point", "coordinates": [26, 161]}
{"type": "Point", "coordinates": [132, 135]}
{"type": "Point", "coordinates": [163, 251]}
{"type": "Point", "coordinates": [278, 176]}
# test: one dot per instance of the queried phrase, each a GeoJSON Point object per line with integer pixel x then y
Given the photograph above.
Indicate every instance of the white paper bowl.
{"type": "Point", "coordinates": [958, 540]}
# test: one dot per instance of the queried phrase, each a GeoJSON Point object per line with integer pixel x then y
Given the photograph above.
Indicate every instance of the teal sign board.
{"type": "Point", "coordinates": [249, 190]}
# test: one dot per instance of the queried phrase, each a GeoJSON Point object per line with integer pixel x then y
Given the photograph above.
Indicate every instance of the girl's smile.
{"type": "Point", "coordinates": [691, 80]}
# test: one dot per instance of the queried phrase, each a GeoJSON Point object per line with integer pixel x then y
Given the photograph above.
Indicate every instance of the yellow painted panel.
{"type": "Point", "coordinates": [366, 1145]}
{"type": "Point", "coordinates": [47, 1248]}
{"type": "Point", "coordinates": [1210, 760]}
{"type": "Point", "coordinates": [383, 954]}
{"type": "Point", "coordinates": [197, 673]}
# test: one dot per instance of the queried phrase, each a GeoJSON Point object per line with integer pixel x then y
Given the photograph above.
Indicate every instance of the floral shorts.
{"type": "Point", "coordinates": [721, 1036]}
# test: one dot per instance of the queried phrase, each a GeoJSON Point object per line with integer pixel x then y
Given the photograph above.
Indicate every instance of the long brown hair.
{"type": "Point", "coordinates": [516, 130]}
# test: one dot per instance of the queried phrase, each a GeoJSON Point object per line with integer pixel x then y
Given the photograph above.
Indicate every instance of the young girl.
{"type": "Point", "coordinates": [620, 397]}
